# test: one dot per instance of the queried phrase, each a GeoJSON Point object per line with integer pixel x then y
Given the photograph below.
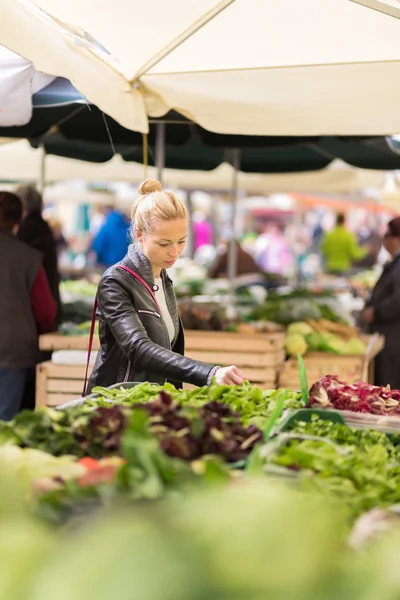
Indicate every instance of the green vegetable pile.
{"type": "Point", "coordinates": [359, 468]}
{"type": "Point", "coordinates": [80, 288]}
{"type": "Point", "coordinates": [81, 329]}
{"type": "Point", "coordinates": [286, 310]}
{"type": "Point", "coordinates": [183, 431]}
{"type": "Point", "coordinates": [234, 542]}
{"type": "Point", "coordinates": [302, 337]}
{"type": "Point", "coordinates": [253, 404]}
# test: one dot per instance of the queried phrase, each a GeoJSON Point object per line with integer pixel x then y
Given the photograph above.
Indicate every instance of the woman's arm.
{"type": "Point", "coordinates": [120, 315]}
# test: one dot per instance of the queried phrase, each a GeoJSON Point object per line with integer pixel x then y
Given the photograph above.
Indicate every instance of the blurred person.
{"type": "Point", "coordinates": [27, 307]}
{"type": "Point", "coordinates": [382, 312]}
{"type": "Point", "coordinates": [272, 251]}
{"type": "Point", "coordinates": [56, 229]}
{"type": "Point", "coordinates": [247, 270]}
{"type": "Point", "coordinates": [370, 237]}
{"type": "Point", "coordinates": [112, 240]}
{"type": "Point", "coordinates": [97, 219]}
{"type": "Point", "coordinates": [340, 249]}
{"type": "Point", "coordinates": [316, 236]}
{"type": "Point", "coordinates": [202, 230]}
{"type": "Point", "coordinates": [36, 232]}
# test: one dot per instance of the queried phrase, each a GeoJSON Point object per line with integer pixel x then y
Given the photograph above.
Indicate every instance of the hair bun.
{"type": "Point", "coordinates": [149, 186]}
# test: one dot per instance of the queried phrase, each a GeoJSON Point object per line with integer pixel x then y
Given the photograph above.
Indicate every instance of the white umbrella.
{"type": "Point", "coordinates": [20, 162]}
{"type": "Point", "coordinates": [293, 67]}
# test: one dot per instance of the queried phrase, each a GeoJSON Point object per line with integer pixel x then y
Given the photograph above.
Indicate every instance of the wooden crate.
{"type": "Point", "coordinates": [56, 384]}
{"type": "Point", "coordinates": [258, 355]}
{"type": "Point", "coordinates": [56, 341]}
{"type": "Point", "coordinates": [348, 368]}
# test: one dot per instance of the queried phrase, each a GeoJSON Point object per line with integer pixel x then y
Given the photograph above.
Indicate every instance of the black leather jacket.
{"type": "Point", "coordinates": [135, 345]}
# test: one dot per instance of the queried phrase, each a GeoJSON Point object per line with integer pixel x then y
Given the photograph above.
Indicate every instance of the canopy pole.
{"type": "Point", "coordinates": [382, 7]}
{"type": "Point", "coordinates": [297, 222]}
{"type": "Point", "coordinates": [232, 249]}
{"type": "Point", "coordinates": [42, 179]}
{"type": "Point", "coordinates": [160, 150]}
{"type": "Point", "coordinates": [191, 233]}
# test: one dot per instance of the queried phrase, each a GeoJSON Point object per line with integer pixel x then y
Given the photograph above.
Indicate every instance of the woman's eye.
{"type": "Point", "coordinates": [163, 245]}
{"type": "Point", "coordinates": [184, 242]}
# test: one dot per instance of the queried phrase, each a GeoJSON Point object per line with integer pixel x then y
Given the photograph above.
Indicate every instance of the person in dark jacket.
{"type": "Point", "coordinates": [382, 313]}
{"type": "Point", "coordinates": [141, 334]}
{"type": "Point", "coordinates": [36, 232]}
{"type": "Point", "coordinates": [245, 263]}
{"type": "Point", "coordinates": [26, 307]}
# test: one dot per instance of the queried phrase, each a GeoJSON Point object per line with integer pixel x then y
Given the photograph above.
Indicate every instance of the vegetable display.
{"type": "Point", "coordinates": [184, 432]}
{"type": "Point", "coordinates": [361, 397]}
{"type": "Point", "coordinates": [323, 336]}
{"type": "Point", "coordinates": [360, 469]}
{"type": "Point", "coordinates": [289, 309]}
{"type": "Point", "coordinates": [253, 404]}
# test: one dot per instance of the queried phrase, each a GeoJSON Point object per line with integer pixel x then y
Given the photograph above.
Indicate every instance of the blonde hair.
{"type": "Point", "coordinates": [155, 204]}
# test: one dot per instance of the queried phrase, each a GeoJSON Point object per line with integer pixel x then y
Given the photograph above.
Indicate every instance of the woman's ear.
{"type": "Point", "coordinates": [138, 235]}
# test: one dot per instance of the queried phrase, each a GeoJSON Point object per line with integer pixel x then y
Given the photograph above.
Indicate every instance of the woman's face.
{"type": "Point", "coordinates": [164, 244]}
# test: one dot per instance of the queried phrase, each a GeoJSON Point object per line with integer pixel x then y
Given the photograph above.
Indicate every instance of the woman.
{"type": "Point", "coordinates": [26, 307]}
{"type": "Point", "coordinates": [382, 313]}
{"type": "Point", "coordinates": [140, 331]}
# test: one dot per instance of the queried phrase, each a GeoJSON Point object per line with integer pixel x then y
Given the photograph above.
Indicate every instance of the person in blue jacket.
{"type": "Point", "coordinates": [112, 240]}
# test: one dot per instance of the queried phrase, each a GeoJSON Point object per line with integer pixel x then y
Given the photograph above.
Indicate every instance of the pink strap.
{"type": "Point", "coordinates": [142, 281]}
{"type": "Point", "coordinates": [90, 345]}
{"type": "Point", "coordinates": [148, 288]}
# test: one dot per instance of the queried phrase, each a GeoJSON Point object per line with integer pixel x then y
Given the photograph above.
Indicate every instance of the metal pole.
{"type": "Point", "coordinates": [232, 250]}
{"type": "Point", "coordinates": [214, 219]}
{"type": "Point", "coordinates": [160, 150]}
{"type": "Point", "coordinates": [297, 222]}
{"type": "Point", "coordinates": [42, 180]}
{"type": "Point", "coordinates": [191, 240]}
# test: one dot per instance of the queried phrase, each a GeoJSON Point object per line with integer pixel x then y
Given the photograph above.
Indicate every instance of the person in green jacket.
{"type": "Point", "coordinates": [340, 249]}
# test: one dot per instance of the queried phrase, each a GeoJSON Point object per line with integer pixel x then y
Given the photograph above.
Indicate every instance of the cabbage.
{"type": "Point", "coordinates": [332, 343]}
{"type": "Point", "coordinates": [355, 346]}
{"type": "Point", "coordinates": [314, 341]}
{"type": "Point", "coordinates": [300, 327]}
{"type": "Point", "coordinates": [295, 344]}
{"type": "Point", "coordinates": [298, 310]}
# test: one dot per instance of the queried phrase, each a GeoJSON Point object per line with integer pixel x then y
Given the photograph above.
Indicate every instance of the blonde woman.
{"type": "Point", "coordinates": [140, 331]}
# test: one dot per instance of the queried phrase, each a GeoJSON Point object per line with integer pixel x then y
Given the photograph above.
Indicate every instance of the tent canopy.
{"type": "Point", "coordinates": [256, 67]}
{"type": "Point", "coordinates": [20, 162]}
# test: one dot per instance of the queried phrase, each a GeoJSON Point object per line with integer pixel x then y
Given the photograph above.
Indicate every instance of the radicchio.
{"type": "Point", "coordinates": [360, 397]}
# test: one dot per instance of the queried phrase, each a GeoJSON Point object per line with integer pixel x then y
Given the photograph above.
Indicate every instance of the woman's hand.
{"type": "Point", "coordinates": [229, 376]}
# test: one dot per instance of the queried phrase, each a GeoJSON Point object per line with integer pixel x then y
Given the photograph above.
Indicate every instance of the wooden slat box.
{"type": "Point", "coordinates": [349, 368]}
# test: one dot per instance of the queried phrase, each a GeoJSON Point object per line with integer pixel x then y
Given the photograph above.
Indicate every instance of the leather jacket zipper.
{"type": "Point", "coordinates": [150, 312]}
{"type": "Point", "coordinates": [128, 369]}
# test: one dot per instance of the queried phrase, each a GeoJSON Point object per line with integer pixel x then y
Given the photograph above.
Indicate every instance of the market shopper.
{"type": "Point", "coordinates": [140, 331]}
{"type": "Point", "coordinates": [111, 242]}
{"type": "Point", "coordinates": [382, 313]}
{"type": "Point", "coordinates": [247, 270]}
{"type": "Point", "coordinates": [36, 232]}
{"type": "Point", "coordinates": [26, 307]}
{"type": "Point", "coordinates": [340, 249]}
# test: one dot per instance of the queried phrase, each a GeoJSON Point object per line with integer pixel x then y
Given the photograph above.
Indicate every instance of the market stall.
{"type": "Point", "coordinates": [260, 355]}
